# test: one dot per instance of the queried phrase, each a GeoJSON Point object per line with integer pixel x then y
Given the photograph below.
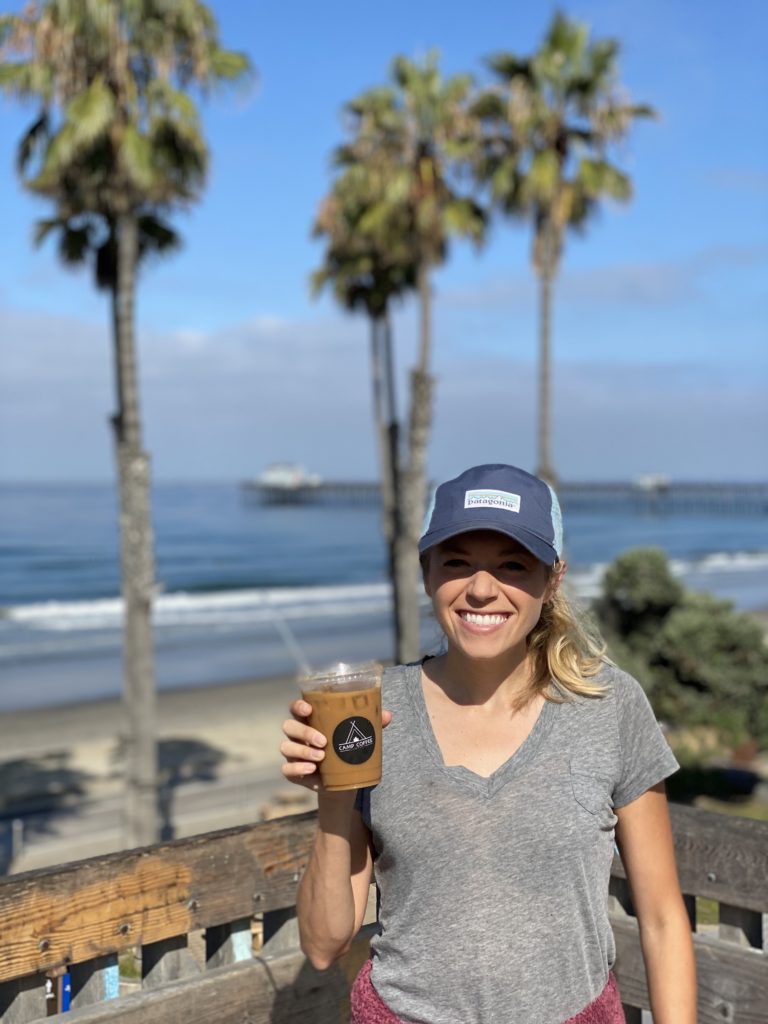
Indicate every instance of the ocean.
{"type": "Point", "coordinates": [248, 590]}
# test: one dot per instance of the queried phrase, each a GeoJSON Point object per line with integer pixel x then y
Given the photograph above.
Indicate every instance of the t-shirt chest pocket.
{"type": "Point", "coordinates": [592, 792]}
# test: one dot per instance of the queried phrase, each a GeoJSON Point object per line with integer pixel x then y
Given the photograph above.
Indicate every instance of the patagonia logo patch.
{"type": "Point", "coordinates": [492, 499]}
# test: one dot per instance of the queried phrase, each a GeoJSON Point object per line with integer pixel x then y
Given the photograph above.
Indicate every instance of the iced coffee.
{"type": "Point", "coordinates": [346, 709]}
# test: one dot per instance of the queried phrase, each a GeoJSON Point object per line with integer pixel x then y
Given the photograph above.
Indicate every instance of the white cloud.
{"type": "Point", "coordinates": [224, 404]}
{"type": "Point", "coordinates": [646, 284]}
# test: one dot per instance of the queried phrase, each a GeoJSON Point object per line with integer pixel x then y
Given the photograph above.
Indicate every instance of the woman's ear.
{"type": "Point", "coordinates": [424, 562]}
{"type": "Point", "coordinates": [555, 579]}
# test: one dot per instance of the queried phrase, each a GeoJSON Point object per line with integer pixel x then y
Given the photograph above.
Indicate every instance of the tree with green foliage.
{"type": "Point", "coordinates": [366, 275]}
{"type": "Point", "coordinates": [116, 145]}
{"type": "Point", "coordinates": [544, 151]}
{"type": "Point", "coordinates": [702, 662]}
{"type": "Point", "coordinates": [406, 140]}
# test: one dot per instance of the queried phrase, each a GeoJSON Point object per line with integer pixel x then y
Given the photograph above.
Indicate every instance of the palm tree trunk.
{"type": "Point", "coordinates": [387, 433]}
{"type": "Point", "coordinates": [136, 545]}
{"type": "Point", "coordinates": [545, 469]}
{"type": "Point", "coordinates": [415, 479]}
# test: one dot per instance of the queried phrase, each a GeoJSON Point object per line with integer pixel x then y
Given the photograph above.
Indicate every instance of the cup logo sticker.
{"type": "Point", "coordinates": [354, 740]}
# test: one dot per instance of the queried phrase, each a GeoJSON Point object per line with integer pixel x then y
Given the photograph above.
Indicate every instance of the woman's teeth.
{"type": "Point", "coordinates": [483, 620]}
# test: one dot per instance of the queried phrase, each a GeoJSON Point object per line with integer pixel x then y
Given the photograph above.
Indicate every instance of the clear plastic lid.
{"type": "Point", "coordinates": [343, 676]}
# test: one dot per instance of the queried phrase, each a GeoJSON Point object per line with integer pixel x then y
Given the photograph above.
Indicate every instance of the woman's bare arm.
{"type": "Point", "coordinates": [333, 892]}
{"type": "Point", "coordinates": [644, 837]}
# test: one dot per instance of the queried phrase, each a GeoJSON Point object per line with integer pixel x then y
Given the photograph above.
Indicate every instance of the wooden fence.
{"type": "Point", "coordinates": [64, 931]}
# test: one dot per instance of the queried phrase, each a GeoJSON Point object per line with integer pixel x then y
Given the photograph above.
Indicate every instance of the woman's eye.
{"type": "Point", "coordinates": [514, 566]}
{"type": "Point", "coordinates": [454, 563]}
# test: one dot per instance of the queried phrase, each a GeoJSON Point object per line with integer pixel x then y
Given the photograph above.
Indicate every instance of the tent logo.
{"type": "Point", "coordinates": [354, 740]}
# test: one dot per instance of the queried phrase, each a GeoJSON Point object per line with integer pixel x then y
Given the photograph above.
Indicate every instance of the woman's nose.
{"type": "Point", "coordinates": [482, 585]}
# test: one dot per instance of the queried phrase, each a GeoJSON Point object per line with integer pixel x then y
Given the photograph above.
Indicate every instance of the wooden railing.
{"type": "Point", "coordinates": [211, 920]}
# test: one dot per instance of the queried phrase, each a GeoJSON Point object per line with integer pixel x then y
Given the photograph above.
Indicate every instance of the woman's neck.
{"type": "Point", "coordinates": [495, 682]}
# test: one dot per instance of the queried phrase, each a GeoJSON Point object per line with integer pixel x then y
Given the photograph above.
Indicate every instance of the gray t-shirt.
{"type": "Point", "coordinates": [494, 890]}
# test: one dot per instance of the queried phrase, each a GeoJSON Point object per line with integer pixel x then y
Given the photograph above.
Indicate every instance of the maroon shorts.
{"type": "Point", "coordinates": [368, 1008]}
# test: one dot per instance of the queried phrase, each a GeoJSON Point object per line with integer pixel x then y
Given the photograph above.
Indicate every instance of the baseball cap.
{"type": "Point", "coordinates": [501, 498]}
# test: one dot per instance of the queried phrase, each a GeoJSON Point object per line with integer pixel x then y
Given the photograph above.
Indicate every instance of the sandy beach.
{"type": "Point", "coordinates": [60, 768]}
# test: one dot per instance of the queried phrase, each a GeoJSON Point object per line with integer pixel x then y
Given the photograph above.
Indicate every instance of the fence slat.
{"type": "Point", "coordinates": [95, 980]}
{"type": "Point", "coordinates": [284, 990]}
{"type": "Point", "coordinates": [167, 960]}
{"type": "Point", "coordinates": [719, 857]}
{"type": "Point", "coordinates": [22, 1000]}
{"type": "Point", "coordinates": [281, 931]}
{"type": "Point", "coordinates": [228, 943]}
{"type": "Point", "coordinates": [733, 983]}
{"type": "Point", "coordinates": [744, 927]}
{"type": "Point", "coordinates": [690, 908]}
{"type": "Point", "coordinates": [53, 917]}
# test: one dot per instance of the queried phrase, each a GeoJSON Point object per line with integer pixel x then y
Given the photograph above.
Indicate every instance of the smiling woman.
{"type": "Point", "coordinates": [512, 763]}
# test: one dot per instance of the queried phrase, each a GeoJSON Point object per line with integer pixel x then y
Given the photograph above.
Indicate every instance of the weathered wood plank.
{"type": "Point", "coordinates": [744, 927]}
{"type": "Point", "coordinates": [720, 857]}
{"type": "Point", "coordinates": [106, 904]}
{"type": "Point", "coordinates": [733, 982]}
{"type": "Point", "coordinates": [279, 990]}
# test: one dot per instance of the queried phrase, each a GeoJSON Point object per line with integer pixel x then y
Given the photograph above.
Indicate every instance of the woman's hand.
{"type": "Point", "coordinates": [304, 747]}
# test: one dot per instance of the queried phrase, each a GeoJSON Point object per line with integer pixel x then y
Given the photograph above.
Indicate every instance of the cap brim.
{"type": "Point", "coordinates": [538, 547]}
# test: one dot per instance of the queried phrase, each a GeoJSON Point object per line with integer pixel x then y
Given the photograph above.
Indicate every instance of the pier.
{"type": "Point", "coordinates": [656, 498]}
{"type": "Point", "coordinates": [203, 931]}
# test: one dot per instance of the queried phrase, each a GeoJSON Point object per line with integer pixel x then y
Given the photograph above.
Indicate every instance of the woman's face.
{"type": "Point", "coordinates": [487, 593]}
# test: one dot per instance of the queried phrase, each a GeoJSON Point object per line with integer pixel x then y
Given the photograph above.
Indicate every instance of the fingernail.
{"type": "Point", "coordinates": [319, 740]}
{"type": "Point", "coordinates": [317, 754]}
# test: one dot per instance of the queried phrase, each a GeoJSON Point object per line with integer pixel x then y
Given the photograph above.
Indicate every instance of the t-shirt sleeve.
{"type": "Point", "coordinates": [646, 757]}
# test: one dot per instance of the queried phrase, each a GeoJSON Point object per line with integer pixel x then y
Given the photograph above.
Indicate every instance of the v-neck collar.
{"type": "Point", "coordinates": [461, 775]}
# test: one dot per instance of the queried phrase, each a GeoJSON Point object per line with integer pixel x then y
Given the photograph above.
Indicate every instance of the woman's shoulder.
{"type": "Point", "coordinates": [618, 691]}
{"type": "Point", "coordinates": [620, 687]}
{"type": "Point", "coordinates": [398, 679]}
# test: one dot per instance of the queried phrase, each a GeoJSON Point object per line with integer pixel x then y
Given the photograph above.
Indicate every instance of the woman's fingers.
{"type": "Point", "coordinates": [297, 751]}
{"type": "Point", "coordinates": [386, 718]}
{"type": "Point", "coordinates": [302, 747]}
{"type": "Point", "coordinates": [300, 709]}
{"type": "Point", "coordinates": [302, 733]}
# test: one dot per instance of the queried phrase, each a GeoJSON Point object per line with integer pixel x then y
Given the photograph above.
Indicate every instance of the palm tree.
{"type": "Point", "coordinates": [546, 138]}
{"type": "Point", "coordinates": [116, 145]}
{"type": "Point", "coordinates": [367, 276]}
{"type": "Point", "coordinates": [407, 140]}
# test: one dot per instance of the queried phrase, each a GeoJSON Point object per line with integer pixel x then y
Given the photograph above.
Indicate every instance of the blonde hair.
{"type": "Point", "coordinates": [566, 651]}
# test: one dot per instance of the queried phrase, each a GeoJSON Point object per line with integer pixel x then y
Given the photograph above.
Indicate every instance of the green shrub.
{"type": "Point", "coordinates": [701, 662]}
{"type": "Point", "coordinates": [638, 592]}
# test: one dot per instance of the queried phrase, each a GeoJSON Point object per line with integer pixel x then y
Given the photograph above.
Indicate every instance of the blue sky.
{"type": "Point", "coordinates": [661, 309]}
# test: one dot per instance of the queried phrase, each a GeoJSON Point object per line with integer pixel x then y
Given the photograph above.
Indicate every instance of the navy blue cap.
{"type": "Point", "coordinates": [501, 498]}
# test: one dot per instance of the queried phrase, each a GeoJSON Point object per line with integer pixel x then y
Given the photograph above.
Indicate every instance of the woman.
{"type": "Point", "coordinates": [511, 763]}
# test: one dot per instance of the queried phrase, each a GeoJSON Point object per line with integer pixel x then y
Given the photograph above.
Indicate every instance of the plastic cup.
{"type": "Point", "coordinates": [346, 709]}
